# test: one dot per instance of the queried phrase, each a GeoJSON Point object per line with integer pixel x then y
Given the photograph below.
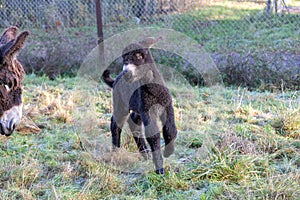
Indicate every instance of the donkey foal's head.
{"type": "Point", "coordinates": [138, 61]}
{"type": "Point", "coordinates": [11, 78]}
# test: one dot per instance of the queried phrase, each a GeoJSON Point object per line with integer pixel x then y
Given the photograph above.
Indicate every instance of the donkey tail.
{"type": "Point", "coordinates": [107, 79]}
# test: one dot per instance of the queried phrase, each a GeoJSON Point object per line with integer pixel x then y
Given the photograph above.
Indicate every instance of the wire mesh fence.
{"type": "Point", "coordinates": [77, 13]}
{"type": "Point", "coordinates": [42, 13]}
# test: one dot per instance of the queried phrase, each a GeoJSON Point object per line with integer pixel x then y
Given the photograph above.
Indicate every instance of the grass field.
{"type": "Point", "coordinates": [232, 144]}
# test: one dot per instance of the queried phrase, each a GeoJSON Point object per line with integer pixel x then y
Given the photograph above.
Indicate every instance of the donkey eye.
{"type": "Point", "coordinates": [139, 56]}
{"type": "Point", "coordinates": [8, 86]}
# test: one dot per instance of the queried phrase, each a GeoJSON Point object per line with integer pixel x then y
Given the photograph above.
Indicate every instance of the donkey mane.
{"type": "Point", "coordinates": [11, 78]}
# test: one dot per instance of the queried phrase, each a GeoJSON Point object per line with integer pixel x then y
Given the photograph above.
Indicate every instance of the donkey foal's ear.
{"type": "Point", "coordinates": [149, 41]}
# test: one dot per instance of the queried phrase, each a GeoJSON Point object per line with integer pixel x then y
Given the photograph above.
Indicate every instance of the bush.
{"type": "Point", "coordinates": [263, 70]}
{"type": "Point", "coordinates": [57, 52]}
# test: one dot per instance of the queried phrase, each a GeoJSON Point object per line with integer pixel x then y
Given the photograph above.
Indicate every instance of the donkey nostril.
{"type": "Point", "coordinates": [11, 126]}
{"type": "Point", "coordinates": [1, 129]}
{"type": "Point", "coordinates": [7, 131]}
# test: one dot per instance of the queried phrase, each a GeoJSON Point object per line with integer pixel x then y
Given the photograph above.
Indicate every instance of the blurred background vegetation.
{"type": "Point", "coordinates": [254, 43]}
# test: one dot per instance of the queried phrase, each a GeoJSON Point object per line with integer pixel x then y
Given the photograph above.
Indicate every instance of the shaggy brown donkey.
{"type": "Point", "coordinates": [139, 91]}
{"type": "Point", "coordinates": [11, 77]}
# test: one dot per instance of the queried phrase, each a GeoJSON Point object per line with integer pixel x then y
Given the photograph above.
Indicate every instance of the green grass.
{"type": "Point", "coordinates": [232, 144]}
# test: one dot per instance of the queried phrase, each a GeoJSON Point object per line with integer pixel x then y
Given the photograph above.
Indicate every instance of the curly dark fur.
{"type": "Point", "coordinates": [143, 93]}
{"type": "Point", "coordinates": [11, 76]}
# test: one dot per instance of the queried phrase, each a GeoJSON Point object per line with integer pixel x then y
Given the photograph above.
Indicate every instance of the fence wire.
{"type": "Point", "coordinates": [78, 13]}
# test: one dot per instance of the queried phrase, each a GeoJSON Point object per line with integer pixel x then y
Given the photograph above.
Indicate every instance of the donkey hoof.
{"type": "Point", "coordinates": [160, 171]}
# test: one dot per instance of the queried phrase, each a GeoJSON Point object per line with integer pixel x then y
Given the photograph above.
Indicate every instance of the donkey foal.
{"type": "Point", "coordinates": [141, 97]}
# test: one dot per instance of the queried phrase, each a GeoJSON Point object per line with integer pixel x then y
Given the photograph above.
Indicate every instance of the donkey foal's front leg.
{"type": "Point", "coordinates": [135, 125]}
{"type": "Point", "coordinates": [154, 142]}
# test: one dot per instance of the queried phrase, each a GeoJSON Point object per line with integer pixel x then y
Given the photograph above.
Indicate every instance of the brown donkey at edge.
{"type": "Point", "coordinates": [11, 78]}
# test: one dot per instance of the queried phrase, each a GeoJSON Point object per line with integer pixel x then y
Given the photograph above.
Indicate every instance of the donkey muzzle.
{"type": "Point", "coordinates": [10, 119]}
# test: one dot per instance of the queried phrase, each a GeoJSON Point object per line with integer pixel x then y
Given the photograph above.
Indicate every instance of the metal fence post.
{"type": "Point", "coordinates": [100, 33]}
{"type": "Point", "coordinates": [99, 20]}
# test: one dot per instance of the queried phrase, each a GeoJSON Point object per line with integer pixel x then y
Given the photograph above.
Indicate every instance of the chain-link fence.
{"type": "Point", "coordinates": [76, 13]}
{"type": "Point", "coordinates": [43, 13]}
{"type": "Point", "coordinates": [239, 34]}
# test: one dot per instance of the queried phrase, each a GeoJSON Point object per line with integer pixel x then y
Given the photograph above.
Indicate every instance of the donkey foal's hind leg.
{"type": "Point", "coordinates": [117, 122]}
{"type": "Point", "coordinates": [115, 133]}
